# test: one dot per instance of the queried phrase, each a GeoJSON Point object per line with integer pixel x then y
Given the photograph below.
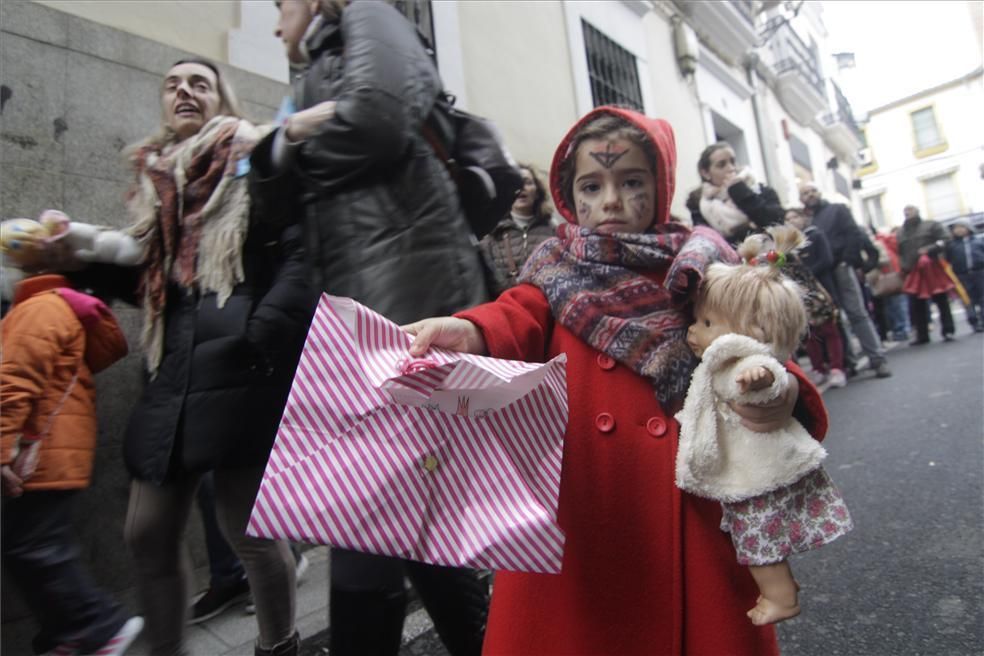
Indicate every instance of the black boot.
{"type": "Point", "coordinates": [288, 647]}
{"type": "Point", "coordinates": [366, 623]}
{"type": "Point", "coordinates": [457, 601]}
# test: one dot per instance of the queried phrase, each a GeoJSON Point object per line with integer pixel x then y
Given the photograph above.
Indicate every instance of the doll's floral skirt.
{"type": "Point", "coordinates": [802, 516]}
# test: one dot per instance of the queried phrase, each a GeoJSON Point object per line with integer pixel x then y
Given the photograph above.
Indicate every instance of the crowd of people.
{"type": "Point", "coordinates": [239, 228]}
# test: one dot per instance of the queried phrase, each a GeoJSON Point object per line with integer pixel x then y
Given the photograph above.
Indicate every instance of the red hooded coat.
{"type": "Point", "coordinates": [646, 568]}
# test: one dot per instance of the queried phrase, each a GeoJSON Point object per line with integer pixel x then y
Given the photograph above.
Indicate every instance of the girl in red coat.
{"type": "Point", "coordinates": [646, 568]}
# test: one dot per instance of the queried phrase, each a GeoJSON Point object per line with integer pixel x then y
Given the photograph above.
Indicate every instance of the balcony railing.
{"type": "Point", "coordinates": [845, 113]}
{"type": "Point", "coordinates": [746, 8]}
{"type": "Point", "coordinates": [791, 54]}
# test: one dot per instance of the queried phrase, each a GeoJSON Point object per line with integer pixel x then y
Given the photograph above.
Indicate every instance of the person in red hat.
{"type": "Point", "coordinates": [646, 568]}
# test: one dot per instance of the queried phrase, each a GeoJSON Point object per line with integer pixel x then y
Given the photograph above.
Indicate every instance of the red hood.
{"type": "Point", "coordinates": [660, 134]}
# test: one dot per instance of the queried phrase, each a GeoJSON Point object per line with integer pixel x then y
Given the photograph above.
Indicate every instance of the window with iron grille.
{"type": "Point", "coordinates": [612, 70]}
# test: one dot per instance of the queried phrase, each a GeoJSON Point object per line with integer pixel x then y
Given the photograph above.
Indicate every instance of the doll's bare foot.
{"type": "Point", "coordinates": [767, 611]}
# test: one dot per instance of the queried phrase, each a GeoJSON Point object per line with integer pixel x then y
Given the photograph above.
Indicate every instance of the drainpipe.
{"type": "Point", "coordinates": [750, 62]}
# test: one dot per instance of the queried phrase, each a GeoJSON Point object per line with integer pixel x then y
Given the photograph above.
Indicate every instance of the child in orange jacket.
{"type": "Point", "coordinates": [54, 339]}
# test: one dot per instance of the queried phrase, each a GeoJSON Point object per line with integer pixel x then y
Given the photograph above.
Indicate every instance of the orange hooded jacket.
{"type": "Point", "coordinates": [54, 339]}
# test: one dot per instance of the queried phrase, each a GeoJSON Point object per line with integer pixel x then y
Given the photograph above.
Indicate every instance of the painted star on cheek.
{"type": "Point", "coordinates": [609, 156]}
{"type": "Point", "coordinates": [640, 206]}
{"type": "Point", "coordinates": [583, 210]}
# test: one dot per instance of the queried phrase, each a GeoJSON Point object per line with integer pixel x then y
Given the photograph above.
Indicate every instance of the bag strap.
{"type": "Point", "coordinates": [58, 408]}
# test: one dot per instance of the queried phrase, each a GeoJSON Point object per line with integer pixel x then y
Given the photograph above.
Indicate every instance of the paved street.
{"type": "Point", "coordinates": [907, 454]}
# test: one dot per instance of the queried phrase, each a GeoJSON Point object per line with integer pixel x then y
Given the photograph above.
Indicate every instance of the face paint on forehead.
{"type": "Point", "coordinates": [609, 156]}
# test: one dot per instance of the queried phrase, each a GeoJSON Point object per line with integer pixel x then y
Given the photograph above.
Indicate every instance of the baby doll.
{"type": "Point", "coordinates": [776, 497]}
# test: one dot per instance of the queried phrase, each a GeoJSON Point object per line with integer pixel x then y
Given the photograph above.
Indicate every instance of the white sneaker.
{"type": "Point", "coordinates": [818, 377]}
{"type": "Point", "coordinates": [301, 567]}
{"type": "Point", "coordinates": [837, 378]}
{"type": "Point", "coordinates": [120, 642]}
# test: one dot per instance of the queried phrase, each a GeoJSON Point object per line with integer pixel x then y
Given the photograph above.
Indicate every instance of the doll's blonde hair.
{"type": "Point", "coordinates": [758, 299]}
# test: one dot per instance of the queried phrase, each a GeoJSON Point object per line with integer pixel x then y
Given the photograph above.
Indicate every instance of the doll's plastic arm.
{"type": "Point", "coordinates": [754, 379]}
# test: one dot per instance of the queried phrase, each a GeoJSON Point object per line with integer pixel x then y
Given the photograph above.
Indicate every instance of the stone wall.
{"type": "Point", "coordinates": [74, 94]}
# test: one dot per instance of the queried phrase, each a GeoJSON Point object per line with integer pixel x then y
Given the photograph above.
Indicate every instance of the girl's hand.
{"type": "Point", "coordinates": [446, 332]}
{"type": "Point", "coordinates": [771, 416]}
{"type": "Point", "coordinates": [12, 485]}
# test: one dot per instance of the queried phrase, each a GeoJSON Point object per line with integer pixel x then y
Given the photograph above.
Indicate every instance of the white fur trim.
{"type": "Point", "coordinates": [719, 458]}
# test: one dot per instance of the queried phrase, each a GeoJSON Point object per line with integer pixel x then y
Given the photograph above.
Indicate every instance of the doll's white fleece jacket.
{"type": "Point", "coordinates": [720, 459]}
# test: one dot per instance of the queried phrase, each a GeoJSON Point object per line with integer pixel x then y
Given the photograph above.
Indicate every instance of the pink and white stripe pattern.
{"type": "Point", "coordinates": [453, 460]}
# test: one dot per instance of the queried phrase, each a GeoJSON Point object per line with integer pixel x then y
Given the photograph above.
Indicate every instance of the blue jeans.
{"type": "Point", "coordinates": [897, 311]}
{"type": "Point", "coordinates": [41, 559]}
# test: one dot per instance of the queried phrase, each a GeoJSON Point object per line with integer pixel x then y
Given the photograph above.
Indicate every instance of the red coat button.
{"type": "Point", "coordinates": [656, 426]}
{"type": "Point", "coordinates": [606, 362]}
{"type": "Point", "coordinates": [605, 422]}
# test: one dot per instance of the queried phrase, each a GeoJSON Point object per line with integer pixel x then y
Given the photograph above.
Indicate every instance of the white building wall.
{"type": "Point", "coordinates": [517, 72]}
{"type": "Point", "coordinates": [900, 173]}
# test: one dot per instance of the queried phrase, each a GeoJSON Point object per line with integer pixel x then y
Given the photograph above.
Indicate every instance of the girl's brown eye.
{"type": "Point", "coordinates": [707, 323]}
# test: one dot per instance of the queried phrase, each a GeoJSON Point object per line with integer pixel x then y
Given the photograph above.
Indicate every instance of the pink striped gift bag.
{"type": "Point", "coordinates": [452, 459]}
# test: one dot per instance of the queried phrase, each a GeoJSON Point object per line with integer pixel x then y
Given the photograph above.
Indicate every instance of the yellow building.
{"type": "Point", "coordinates": [927, 150]}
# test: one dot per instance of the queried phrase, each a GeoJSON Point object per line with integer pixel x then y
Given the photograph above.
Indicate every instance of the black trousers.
{"type": "Point", "coordinates": [919, 315]}
{"type": "Point", "coordinates": [368, 603]}
{"type": "Point", "coordinates": [41, 559]}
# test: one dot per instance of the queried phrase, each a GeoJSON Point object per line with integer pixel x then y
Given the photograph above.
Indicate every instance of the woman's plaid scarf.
{"type": "Point", "coordinates": [191, 212]}
{"type": "Point", "coordinates": [601, 288]}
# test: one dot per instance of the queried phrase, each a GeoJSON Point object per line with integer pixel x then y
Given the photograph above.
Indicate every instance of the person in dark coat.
{"type": "Point", "coordinates": [729, 199]}
{"type": "Point", "coordinates": [851, 250]}
{"type": "Point", "coordinates": [925, 279]}
{"type": "Point", "coordinates": [382, 225]}
{"type": "Point", "coordinates": [516, 236]}
{"type": "Point", "coordinates": [226, 306]}
{"type": "Point", "coordinates": [965, 252]}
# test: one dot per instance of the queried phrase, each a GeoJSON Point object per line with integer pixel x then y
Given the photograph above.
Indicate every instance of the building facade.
{"type": "Point", "coordinates": [81, 80]}
{"type": "Point", "coordinates": [927, 150]}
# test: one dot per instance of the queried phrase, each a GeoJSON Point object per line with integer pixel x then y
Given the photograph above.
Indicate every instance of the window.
{"type": "Point", "coordinates": [612, 70]}
{"type": "Point", "coordinates": [874, 213]}
{"type": "Point", "coordinates": [925, 130]}
{"type": "Point", "coordinates": [800, 152]}
{"type": "Point", "coordinates": [841, 185]}
{"type": "Point", "coordinates": [942, 197]}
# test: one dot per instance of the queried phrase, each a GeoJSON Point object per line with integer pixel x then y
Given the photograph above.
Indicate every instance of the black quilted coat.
{"type": "Point", "coordinates": [382, 220]}
{"type": "Point", "coordinates": [223, 381]}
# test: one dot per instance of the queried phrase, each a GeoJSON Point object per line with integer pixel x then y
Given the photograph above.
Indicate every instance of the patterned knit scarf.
{"type": "Point", "coordinates": [191, 212]}
{"type": "Point", "coordinates": [600, 287]}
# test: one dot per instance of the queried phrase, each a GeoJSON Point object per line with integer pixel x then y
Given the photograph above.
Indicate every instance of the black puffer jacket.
{"type": "Point", "coordinates": [220, 390]}
{"type": "Point", "coordinates": [762, 208]}
{"type": "Point", "coordinates": [382, 220]}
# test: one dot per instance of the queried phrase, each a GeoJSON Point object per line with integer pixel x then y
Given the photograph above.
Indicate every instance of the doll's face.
{"type": "Point", "coordinates": [707, 326]}
{"type": "Point", "coordinates": [614, 187]}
